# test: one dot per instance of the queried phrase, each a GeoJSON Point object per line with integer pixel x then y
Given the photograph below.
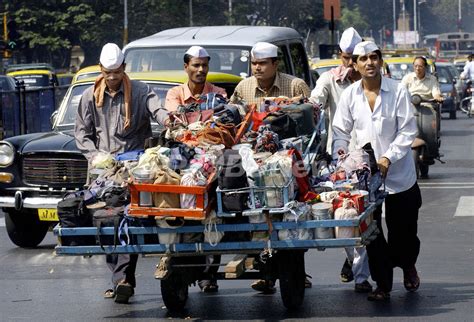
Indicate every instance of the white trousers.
{"type": "Point", "coordinates": [360, 263]}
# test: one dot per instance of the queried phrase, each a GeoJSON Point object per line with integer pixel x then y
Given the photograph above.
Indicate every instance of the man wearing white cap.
{"type": "Point", "coordinates": [266, 80]}
{"type": "Point", "coordinates": [114, 116]}
{"type": "Point", "coordinates": [196, 65]}
{"type": "Point", "coordinates": [327, 92]}
{"type": "Point", "coordinates": [379, 111]}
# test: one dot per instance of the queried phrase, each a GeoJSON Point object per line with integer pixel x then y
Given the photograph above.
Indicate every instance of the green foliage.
{"type": "Point", "coordinates": [353, 18]}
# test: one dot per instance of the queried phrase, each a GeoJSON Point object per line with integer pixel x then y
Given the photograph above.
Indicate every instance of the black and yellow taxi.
{"type": "Point", "coordinates": [37, 169]}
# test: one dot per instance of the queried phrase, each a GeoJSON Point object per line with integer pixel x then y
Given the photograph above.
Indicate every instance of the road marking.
{"type": "Point", "coordinates": [446, 185]}
{"type": "Point", "coordinates": [2, 222]}
{"type": "Point", "coordinates": [465, 207]}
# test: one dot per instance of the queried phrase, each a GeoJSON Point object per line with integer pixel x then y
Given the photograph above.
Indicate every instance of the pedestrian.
{"type": "Point", "coordinates": [468, 70]}
{"type": "Point", "coordinates": [327, 92]}
{"type": "Point", "coordinates": [267, 81]}
{"type": "Point", "coordinates": [379, 111]}
{"type": "Point", "coordinates": [114, 116]}
{"type": "Point", "coordinates": [196, 65]}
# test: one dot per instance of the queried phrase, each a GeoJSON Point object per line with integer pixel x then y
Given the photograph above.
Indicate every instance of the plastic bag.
{"type": "Point", "coordinates": [298, 211]}
{"type": "Point", "coordinates": [347, 211]}
{"type": "Point", "coordinates": [211, 234]}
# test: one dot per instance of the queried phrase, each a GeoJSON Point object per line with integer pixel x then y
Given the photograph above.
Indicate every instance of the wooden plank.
{"type": "Point", "coordinates": [236, 265]}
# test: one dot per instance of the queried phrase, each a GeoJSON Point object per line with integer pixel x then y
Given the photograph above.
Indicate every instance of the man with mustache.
{"type": "Point", "coordinates": [114, 116]}
{"type": "Point", "coordinates": [379, 111]}
{"type": "Point", "coordinates": [266, 80]}
{"type": "Point", "coordinates": [196, 65]}
{"type": "Point", "coordinates": [327, 92]}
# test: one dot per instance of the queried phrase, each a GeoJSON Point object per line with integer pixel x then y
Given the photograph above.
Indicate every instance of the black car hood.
{"type": "Point", "coordinates": [45, 142]}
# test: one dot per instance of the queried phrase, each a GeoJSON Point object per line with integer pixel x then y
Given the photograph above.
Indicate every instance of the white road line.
{"type": "Point", "coordinates": [445, 183]}
{"type": "Point", "coordinates": [2, 222]}
{"type": "Point", "coordinates": [438, 187]}
{"type": "Point", "coordinates": [465, 207]}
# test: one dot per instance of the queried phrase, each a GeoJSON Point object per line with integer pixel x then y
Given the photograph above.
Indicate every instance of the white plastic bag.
{"type": "Point", "coordinates": [211, 234]}
{"type": "Point", "coordinates": [346, 211]}
{"type": "Point", "coordinates": [298, 211]}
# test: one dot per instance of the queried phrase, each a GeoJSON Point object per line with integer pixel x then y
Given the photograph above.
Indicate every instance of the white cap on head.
{"type": "Point", "coordinates": [365, 47]}
{"type": "Point", "coordinates": [262, 50]}
{"type": "Point", "coordinates": [111, 56]}
{"type": "Point", "coordinates": [349, 39]}
{"type": "Point", "coordinates": [197, 51]}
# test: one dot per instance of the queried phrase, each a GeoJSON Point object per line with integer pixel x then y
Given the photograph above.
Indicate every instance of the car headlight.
{"type": "Point", "coordinates": [7, 154]}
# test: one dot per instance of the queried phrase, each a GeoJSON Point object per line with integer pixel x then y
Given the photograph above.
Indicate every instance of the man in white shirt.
{"type": "Point", "coordinates": [379, 111]}
{"type": "Point", "coordinates": [421, 83]}
{"type": "Point", "coordinates": [468, 72]}
{"type": "Point", "coordinates": [327, 92]}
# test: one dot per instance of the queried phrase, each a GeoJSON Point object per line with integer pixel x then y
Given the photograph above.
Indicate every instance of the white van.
{"type": "Point", "coordinates": [228, 46]}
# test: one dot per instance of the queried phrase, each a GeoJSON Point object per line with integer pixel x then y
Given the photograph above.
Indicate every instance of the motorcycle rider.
{"type": "Point", "coordinates": [422, 83]}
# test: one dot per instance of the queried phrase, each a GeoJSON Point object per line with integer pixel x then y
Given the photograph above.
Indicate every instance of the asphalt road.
{"type": "Point", "coordinates": [36, 285]}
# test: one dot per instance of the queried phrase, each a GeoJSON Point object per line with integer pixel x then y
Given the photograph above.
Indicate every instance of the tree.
{"type": "Point", "coordinates": [353, 18]}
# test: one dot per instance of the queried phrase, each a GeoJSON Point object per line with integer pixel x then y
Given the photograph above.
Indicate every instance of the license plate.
{"type": "Point", "coordinates": [48, 215]}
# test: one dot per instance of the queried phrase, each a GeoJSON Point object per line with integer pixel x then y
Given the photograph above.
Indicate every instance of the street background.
{"type": "Point", "coordinates": [36, 285]}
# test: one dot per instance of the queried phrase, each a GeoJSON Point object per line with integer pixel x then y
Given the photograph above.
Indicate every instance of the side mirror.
{"type": "Point", "coordinates": [53, 117]}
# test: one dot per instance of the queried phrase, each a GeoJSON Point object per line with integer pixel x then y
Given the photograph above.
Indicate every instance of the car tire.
{"type": "Point", "coordinates": [452, 115]}
{"type": "Point", "coordinates": [24, 228]}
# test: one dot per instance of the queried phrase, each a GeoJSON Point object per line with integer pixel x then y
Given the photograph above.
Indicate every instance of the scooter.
{"type": "Point", "coordinates": [467, 104]}
{"type": "Point", "coordinates": [425, 147]}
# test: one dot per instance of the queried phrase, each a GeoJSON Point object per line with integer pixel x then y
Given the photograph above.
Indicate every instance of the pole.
{"type": "Point", "coordinates": [332, 26]}
{"type": "Point", "coordinates": [190, 13]}
{"type": "Point", "coordinates": [404, 26]}
{"type": "Point", "coordinates": [415, 23]}
{"type": "Point", "coordinates": [5, 31]}
{"type": "Point", "coordinates": [125, 23]}
{"type": "Point", "coordinates": [394, 21]}
{"type": "Point", "coordinates": [459, 15]}
{"type": "Point", "coordinates": [230, 12]}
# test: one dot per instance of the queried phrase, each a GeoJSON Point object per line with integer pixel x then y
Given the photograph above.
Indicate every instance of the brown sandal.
{"type": "Point", "coordinates": [378, 295]}
{"type": "Point", "coordinates": [411, 280]}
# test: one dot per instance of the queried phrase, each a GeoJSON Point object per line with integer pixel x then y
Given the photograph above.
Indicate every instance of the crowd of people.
{"type": "Point", "coordinates": [362, 106]}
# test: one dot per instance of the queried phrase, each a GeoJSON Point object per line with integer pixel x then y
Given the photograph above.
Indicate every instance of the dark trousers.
{"type": "Point", "coordinates": [402, 246]}
{"type": "Point", "coordinates": [123, 267]}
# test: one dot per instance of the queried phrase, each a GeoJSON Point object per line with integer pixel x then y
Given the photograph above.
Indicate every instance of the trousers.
{"type": "Point", "coordinates": [360, 263]}
{"type": "Point", "coordinates": [402, 246]}
{"type": "Point", "coordinates": [123, 267]}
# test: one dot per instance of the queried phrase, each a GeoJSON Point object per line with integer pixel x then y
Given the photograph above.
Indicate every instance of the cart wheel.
{"type": "Point", "coordinates": [292, 277]}
{"type": "Point", "coordinates": [174, 291]}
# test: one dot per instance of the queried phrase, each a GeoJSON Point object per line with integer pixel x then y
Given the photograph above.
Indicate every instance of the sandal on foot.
{"type": "Point", "coordinates": [411, 280]}
{"type": "Point", "coordinates": [109, 294]}
{"type": "Point", "coordinates": [363, 287]}
{"type": "Point", "coordinates": [211, 288]}
{"type": "Point", "coordinates": [378, 295]}
{"type": "Point", "coordinates": [346, 272]}
{"type": "Point", "coordinates": [307, 282]}
{"type": "Point", "coordinates": [123, 292]}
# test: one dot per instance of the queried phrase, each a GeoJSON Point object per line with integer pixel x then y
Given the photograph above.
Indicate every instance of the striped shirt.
{"type": "Point", "coordinates": [284, 85]}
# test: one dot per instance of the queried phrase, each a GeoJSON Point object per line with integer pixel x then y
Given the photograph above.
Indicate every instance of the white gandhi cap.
{"type": "Point", "coordinates": [262, 50]}
{"type": "Point", "coordinates": [197, 51]}
{"type": "Point", "coordinates": [349, 39]}
{"type": "Point", "coordinates": [365, 47]}
{"type": "Point", "coordinates": [111, 56]}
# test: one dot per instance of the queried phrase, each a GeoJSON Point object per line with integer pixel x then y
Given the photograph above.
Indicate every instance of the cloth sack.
{"type": "Point", "coordinates": [346, 211]}
{"type": "Point", "coordinates": [217, 134]}
{"type": "Point", "coordinates": [165, 199]}
{"type": "Point", "coordinates": [72, 212]}
{"type": "Point", "coordinates": [231, 175]}
{"type": "Point", "coordinates": [298, 211]}
{"type": "Point", "coordinates": [282, 124]}
{"type": "Point", "coordinates": [211, 234]}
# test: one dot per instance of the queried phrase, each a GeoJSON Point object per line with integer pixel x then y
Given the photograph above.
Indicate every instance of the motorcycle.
{"type": "Point", "coordinates": [425, 147]}
{"type": "Point", "coordinates": [467, 104]}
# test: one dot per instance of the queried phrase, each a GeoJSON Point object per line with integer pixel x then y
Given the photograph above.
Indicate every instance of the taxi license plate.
{"type": "Point", "coordinates": [48, 214]}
